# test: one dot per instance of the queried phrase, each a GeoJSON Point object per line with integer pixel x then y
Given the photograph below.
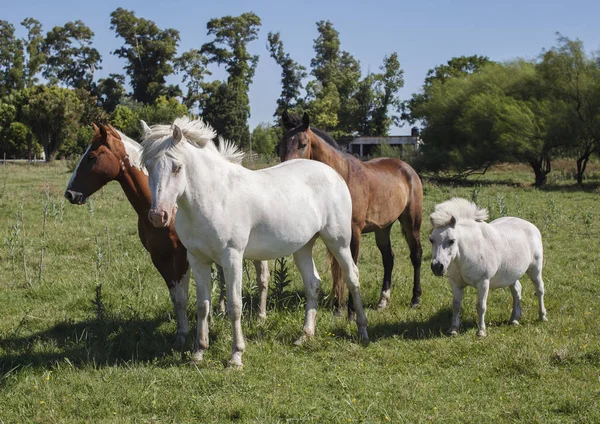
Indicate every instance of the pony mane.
{"type": "Point", "coordinates": [159, 140]}
{"type": "Point", "coordinates": [296, 121]}
{"type": "Point", "coordinates": [458, 209]}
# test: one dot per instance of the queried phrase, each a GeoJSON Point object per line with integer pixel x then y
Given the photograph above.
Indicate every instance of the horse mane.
{"type": "Point", "coordinates": [296, 121]}
{"type": "Point", "coordinates": [458, 209]}
{"type": "Point", "coordinates": [196, 132]}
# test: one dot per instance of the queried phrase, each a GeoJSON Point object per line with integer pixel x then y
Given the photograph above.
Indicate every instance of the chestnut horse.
{"type": "Point", "coordinates": [382, 191]}
{"type": "Point", "coordinates": [112, 155]}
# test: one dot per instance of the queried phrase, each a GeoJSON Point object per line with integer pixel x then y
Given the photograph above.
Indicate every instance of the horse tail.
{"type": "Point", "coordinates": [338, 288]}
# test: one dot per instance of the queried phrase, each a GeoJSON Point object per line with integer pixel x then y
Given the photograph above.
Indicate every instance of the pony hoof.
{"type": "Point", "coordinates": [179, 343]}
{"type": "Point", "coordinates": [234, 365]}
{"type": "Point", "coordinates": [452, 332]}
{"type": "Point", "coordinates": [514, 322]}
{"type": "Point", "coordinates": [337, 312]}
{"type": "Point", "coordinates": [415, 303]}
{"type": "Point", "coordinates": [383, 303]}
{"type": "Point", "coordinates": [363, 336]}
{"type": "Point", "coordinates": [481, 333]}
{"type": "Point", "coordinates": [197, 357]}
{"type": "Point", "coordinates": [300, 341]}
{"type": "Point", "coordinates": [543, 318]}
{"type": "Point", "coordinates": [351, 316]}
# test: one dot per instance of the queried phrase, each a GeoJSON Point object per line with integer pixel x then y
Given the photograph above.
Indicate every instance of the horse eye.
{"type": "Point", "coordinates": [177, 169]}
{"type": "Point", "coordinates": [451, 242]}
{"type": "Point", "coordinates": [301, 146]}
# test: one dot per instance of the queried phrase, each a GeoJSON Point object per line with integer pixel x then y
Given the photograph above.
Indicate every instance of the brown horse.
{"type": "Point", "coordinates": [383, 190]}
{"type": "Point", "coordinates": [113, 156]}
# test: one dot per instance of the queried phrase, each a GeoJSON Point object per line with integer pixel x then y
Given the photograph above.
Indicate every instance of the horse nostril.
{"type": "Point", "coordinates": [437, 268]}
{"type": "Point", "coordinates": [164, 217]}
{"type": "Point", "coordinates": [68, 195]}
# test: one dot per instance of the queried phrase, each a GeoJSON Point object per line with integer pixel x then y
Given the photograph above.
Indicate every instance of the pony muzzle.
{"type": "Point", "coordinates": [74, 197]}
{"type": "Point", "coordinates": [159, 217]}
{"type": "Point", "coordinates": [437, 268]}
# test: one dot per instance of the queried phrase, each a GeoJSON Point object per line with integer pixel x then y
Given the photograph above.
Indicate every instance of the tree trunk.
{"type": "Point", "coordinates": [541, 168]}
{"type": "Point", "coordinates": [581, 165]}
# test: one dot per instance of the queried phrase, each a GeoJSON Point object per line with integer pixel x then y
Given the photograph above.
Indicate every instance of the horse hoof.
{"type": "Point", "coordinates": [300, 341]}
{"type": "Point", "coordinates": [262, 317]}
{"type": "Point", "coordinates": [363, 336]}
{"type": "Point", "coordinates": [452, 333]}
{"type": "Point", "coordinates": [351, 316]}
{"type": "Point", "coordinates": [337, 312]}
{"type": "Point", "coordinates": [197, 357]}
{"type": "Point", "coordinates": [481, 333]}
{"type": "Point", "coordinates": [179, 343]}
{"type": "Point", "coordinates": [544, 318]}
{"type": "Point", "coordinates": [415, 303]}
{"type": "Point", "coordinates": [514, 322]}
{"type": "Point", "coordinates": [383, 303]}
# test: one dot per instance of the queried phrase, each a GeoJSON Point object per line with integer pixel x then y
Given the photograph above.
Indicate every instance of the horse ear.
{"type": "Point", "coordinates": [102, 131]}
{"type": "Point", "coordinates": [285, 119]}
{"type": "Point", "coordinates": [95, 127]}
{"type": "Point", "coordinates": [306, 120]}
{"type": "Point", "coordinates": [145, 127]}
{"type": "Point", "coordinates": [177, 134]}
{"type": "Point", "coordinates": [453, 221]}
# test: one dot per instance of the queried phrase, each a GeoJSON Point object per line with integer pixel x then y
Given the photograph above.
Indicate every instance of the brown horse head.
{"type": "Point", "coordinates": [296, 142]}
{"type": "Point", "coordinates": [101, 163]}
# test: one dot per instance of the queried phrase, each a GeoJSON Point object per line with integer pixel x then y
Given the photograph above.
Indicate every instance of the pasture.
{"type": "Point", "coordinates": [87, 323]}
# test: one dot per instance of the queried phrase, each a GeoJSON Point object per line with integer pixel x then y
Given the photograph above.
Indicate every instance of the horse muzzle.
{"type": "Point", "coordinates": [159, 218]}
{"type": "Point", "coordinates": [75, 197]}
{"type": "Point", "coordinates": [437, 268]}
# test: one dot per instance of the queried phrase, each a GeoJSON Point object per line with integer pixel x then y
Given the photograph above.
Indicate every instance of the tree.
{"type": "Point", "coordinates": [292, 75]}
{"type": "Point", "coordinates": [149, 52]}
{"type": "Point", "coordinates": [265, 139]}
{"type": "Point", "coordinates": [388, 84]}
{"type": "Point", "coordinates": [230, 109]}
{"type": "Point", "coordinates": [52, 113]}
{"type": "Point", "coordinates": [457, 67]}
{"type": "Point", "coordinates": [34, 46]}
{"type": "Point", "coordinates": [193, 64]}
{"type": "Point", "coordinates": [11, 59]}
{"type": "Point", "coordinates": [573, 77]}
{"type": "Point", "coordinates": [110, 91]}
{"type": "Point", "coordinates": [70, 57]}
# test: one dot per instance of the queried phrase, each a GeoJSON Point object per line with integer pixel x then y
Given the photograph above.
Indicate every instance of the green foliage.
{"type": "Point", "coordinates": [292, 75]}
{"type": "Point", "coordinates": [11, 59]}
{"type": "Point", "coordinates": [53, 116]}
{"type": "Point", "coordinates": [74, 147]}
{"type": "Point", "coordinates": [110, 92]}
{"type": "Point", "coordinates": [19, 142]}
{"type": "Point", "coordinates": [226, 105]}
{"type": "Point", "coordinates": [70, 57]}
{"type": "Point", "coordinates": [149, 52]}
{"type": "Point", "coordinates": [34, 46]}
{"type": "Point", "coordinates": [265, 139]}
{"type": "Point", "coordinates": [193, 65]}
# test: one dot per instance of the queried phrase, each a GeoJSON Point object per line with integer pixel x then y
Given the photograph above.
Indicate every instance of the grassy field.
{"type": "Point", "coordinates": [86, 336]}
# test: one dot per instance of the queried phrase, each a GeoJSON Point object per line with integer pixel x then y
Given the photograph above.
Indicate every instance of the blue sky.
{"type": "Point", "coordinates": [424, 33]}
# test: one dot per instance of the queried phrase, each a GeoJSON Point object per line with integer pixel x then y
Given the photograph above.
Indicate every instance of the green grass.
{"type": "Point", "coordinates": [70, 352]}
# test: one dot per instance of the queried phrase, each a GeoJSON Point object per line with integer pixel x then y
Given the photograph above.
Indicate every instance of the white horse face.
{"type": "Point", "coordinates": [166, 177]}
{"type": "Point", "coordinates": [444, 248]}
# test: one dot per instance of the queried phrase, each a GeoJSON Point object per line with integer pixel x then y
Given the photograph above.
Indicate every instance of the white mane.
{"type": "Point", "coordinates": [458, 209]}
{"type": "Point", "coordinates": [133, 150]}
{"type": "Point", "coordinates": [196, 132]}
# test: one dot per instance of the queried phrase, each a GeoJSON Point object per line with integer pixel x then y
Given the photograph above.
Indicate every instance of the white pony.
{"type": "Point", "coordinates": [227, 213]}
{"type": "Point", "coordinates": [475, 253]}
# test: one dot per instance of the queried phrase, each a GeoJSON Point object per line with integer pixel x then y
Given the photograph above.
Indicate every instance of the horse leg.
{"type": "Point", "coordinates": [232, 269]}
{"type": "Point", "coordinates": [354, 250]}
{"type": "Point", "coordinates": [179, 297]}
{"type": "Point", "coordinates": [338, 288]}
{"type": "Point", "coordinates": [411, 223]}
{"type": "Point", "coordinates": [515, 289]}
{"type": "Point", "coordinates": [535, 273]}
{"type": "Point", "coordinates": [482, 293]}
{"type": "Point", "coordinates": [222, 303]}
{"type": "Point", "coordinates": [457, 298]}
{"type": "Point", "coordinates": [262, 276]}
{"type": "Point", "coordinates": [202, 271]}
{"type": "Point", "coordinates": [350, 272]}
{"type": "Point", "coordinates": [382, 238]}
{"type": "Point", "coordinates": [306, 266]}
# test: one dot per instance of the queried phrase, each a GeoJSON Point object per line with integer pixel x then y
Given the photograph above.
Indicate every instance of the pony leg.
{"type": "Point", "coordinates": [535, 273]}
{"type": "Point", "coordinates": [382, 238]}
{"type": "Point", "coordinates": [262, 275]}
{"type": "Point", "coordinates": [232, 269]}
{"type": "Point", "coordinates": [222, 303]}
{"type": "Point", "coordinates": [457, 298]}
{"type": "Point", "coordinates": [306, 266]}
{"type": "Point", "coordinates": [202, 271]}
{"type": "Point", "coordinates": [350, 271]}
{"type": "Point", "coordinates": [179, 297]}
{"type": "Point", "coordinates": [515, 289]}
{"type": "Point", "coordinates": [482, 293]}
{"type": "Point", "coordinates": [354, 250]}
{"type": "Point", "coordinates": [411, 223]}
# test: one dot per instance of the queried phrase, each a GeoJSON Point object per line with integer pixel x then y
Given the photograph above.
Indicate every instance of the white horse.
{"type": "Point", "coordinates": [475, 253]}
{"type": "Point", "coordinates": [227, 213]}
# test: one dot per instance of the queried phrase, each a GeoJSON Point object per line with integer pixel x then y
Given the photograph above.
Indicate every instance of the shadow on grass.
{"type": "Point", "coordinates": [93, 342]}
{"type": "Point", "coordinates": [568, 186]}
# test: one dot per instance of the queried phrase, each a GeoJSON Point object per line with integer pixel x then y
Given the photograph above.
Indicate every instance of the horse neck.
{"type": "Point", "coordinates": [320, 150]}
{"type": "Point", "coordinates": [133, 180]}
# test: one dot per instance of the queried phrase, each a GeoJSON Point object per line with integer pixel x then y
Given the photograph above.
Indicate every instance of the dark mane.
{"type": "Point", "coordinates": [296, 121]}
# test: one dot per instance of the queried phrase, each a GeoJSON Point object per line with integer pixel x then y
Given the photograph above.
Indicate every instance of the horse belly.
{"type": "Point", "coordinates": [264, 246]}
